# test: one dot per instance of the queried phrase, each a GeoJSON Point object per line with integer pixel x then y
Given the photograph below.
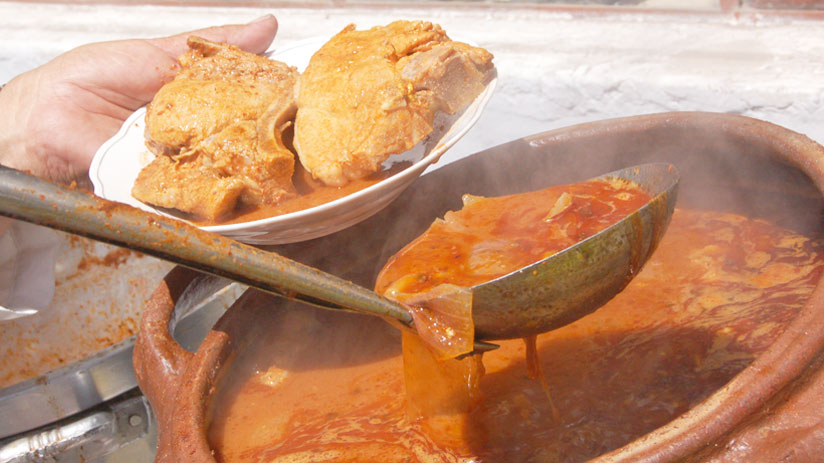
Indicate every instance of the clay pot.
{"type": "Point", "coordinates": [780, 174]}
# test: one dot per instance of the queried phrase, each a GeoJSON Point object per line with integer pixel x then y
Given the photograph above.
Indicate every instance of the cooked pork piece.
{"type": "Point", "coordinates": [216, 132]}
{"type": "Point", "coordinates": [366, 95]}
{"type": "Point", "coordinates": [187, 187]}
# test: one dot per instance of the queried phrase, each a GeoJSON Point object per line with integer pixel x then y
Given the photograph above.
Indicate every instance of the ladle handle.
{"type": "Point", "coordinates": [31, 199]}
{"type": "Point", "coordinates": [159, 361]}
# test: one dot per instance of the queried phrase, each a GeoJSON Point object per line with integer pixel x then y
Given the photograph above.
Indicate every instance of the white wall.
{"type": "Point", "coordinates": [556, 67]}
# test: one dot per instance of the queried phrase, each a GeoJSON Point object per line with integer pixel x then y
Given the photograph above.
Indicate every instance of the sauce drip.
{"type": "Point", "coordinates": [535, 371]}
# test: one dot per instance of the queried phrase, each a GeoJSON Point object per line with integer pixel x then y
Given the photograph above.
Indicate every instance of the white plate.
{"type": "Point", "coordinates": [116, 164]}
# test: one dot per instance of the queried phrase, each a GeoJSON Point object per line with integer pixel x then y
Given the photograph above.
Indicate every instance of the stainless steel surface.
{"type": "Point", "coordinates": [108, 374]}
{"type": "Point", "coordinates": [91, 436]}
{"type": "Point", "coordinates": [119, 429]}
{"type": "Point", "coordinates": [66, 391]}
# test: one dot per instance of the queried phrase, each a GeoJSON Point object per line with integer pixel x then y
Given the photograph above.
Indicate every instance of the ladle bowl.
{"type": "Point", "coordinates": [578, 280]}
{"type": "Point", "coordinates": [546, 295]}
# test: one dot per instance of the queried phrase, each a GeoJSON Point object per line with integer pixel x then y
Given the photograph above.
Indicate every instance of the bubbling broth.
{"type": "Point", "coordinates": [326, 386]}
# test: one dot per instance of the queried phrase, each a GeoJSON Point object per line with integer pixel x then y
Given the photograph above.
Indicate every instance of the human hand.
{"type": "Point", "coordinates": [55, 117]}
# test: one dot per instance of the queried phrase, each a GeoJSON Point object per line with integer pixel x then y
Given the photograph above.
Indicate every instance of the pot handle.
{"type": "Point", "coordinates": [159, 360]}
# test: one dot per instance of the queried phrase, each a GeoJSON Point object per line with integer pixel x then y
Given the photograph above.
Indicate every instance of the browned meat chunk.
{"type": "Point", "coordinates": [216, 130]}
{"type": "Point", "coordinates": [366, 95]}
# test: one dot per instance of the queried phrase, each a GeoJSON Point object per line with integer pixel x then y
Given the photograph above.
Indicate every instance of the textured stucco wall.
{"type": "Point", "coordinates": [556, 66]}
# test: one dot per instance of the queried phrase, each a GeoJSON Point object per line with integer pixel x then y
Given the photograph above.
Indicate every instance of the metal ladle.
{"type": "Point", "coordinates": [538, 298]}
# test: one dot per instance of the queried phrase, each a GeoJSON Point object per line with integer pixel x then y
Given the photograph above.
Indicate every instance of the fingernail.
{"type": "Point", "coordinates": [261, 19]}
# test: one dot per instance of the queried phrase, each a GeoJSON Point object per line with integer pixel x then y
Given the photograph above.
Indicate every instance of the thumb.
{"type": "Point", "coordinates": [254, 37]}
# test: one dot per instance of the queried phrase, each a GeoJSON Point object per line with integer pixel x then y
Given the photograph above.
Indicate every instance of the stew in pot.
{"type": "Point", "coordinates": [328, 386]}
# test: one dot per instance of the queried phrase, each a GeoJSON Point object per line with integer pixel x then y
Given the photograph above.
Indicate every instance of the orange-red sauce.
{"type": "Point", "coordinates": [311, 193]}
{"type": "Point", "coordinates": [490, 237]}
{"type": "Point", "coordinates": [323, 386]}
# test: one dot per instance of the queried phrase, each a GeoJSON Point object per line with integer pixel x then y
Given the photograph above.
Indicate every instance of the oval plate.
{"type": "Point", "coordinates": [116, 164]}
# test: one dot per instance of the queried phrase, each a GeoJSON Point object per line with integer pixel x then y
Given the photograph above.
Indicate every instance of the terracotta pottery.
{"type": "Point", "coordinates": [769, 411]}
